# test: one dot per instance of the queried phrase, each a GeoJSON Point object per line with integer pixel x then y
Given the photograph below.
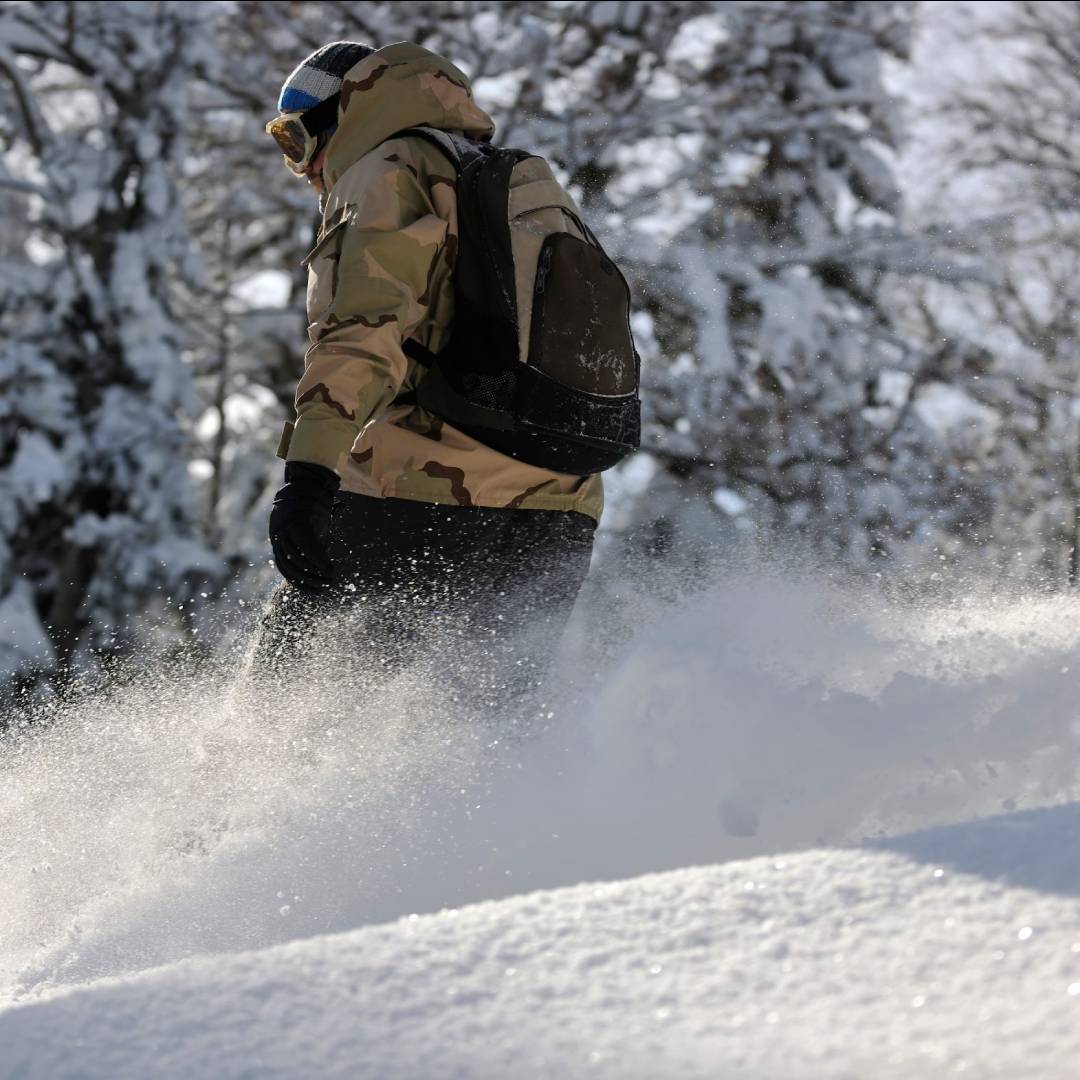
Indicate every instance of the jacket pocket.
{"type": "Point", "coordinates": [329, 237]}
{"type": "Point", "coordinates": [322, 267]}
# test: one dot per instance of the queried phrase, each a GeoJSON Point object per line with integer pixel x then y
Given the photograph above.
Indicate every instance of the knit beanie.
{"type": "Point", "coordinates": [320, 75]}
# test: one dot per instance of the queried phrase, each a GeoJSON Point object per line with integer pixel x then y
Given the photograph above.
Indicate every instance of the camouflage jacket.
{"type": "Point", "coordinates": [380, 273]}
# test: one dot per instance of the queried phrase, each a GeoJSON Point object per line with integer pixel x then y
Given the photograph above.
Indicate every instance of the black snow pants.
{"type": "Point", "coordinates": [476, 596]}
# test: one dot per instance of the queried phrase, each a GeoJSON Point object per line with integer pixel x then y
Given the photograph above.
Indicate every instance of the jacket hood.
{"type": "Point", "coordinates": [396, 87]}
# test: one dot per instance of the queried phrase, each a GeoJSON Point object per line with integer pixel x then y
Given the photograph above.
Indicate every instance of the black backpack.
{"type": "Point", "coordinates": [563, 395]}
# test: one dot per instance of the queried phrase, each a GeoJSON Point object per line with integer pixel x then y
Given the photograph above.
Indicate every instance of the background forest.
{"type": "Point", "coordinates": [851, 230]}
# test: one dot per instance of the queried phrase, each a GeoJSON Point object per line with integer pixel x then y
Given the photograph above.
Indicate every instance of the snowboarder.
{"type": "Point", "coordinates": [387, 506]}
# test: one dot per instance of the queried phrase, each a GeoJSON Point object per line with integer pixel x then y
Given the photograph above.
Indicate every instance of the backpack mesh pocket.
{"type": "Point", "coordinates": [489, 391]}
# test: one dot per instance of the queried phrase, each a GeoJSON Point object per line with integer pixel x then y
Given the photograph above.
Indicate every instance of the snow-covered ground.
{"type": "Point", "coordinates": [908, 961]}
{"type": "Point", "coordinates": [856, 819]}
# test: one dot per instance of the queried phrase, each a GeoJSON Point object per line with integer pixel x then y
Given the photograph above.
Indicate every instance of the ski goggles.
{"type": "Point", "coordinates": [299, 135]}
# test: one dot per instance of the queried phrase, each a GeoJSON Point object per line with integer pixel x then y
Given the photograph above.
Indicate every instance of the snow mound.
{"type": "Point", "coordinates": [832, 963]}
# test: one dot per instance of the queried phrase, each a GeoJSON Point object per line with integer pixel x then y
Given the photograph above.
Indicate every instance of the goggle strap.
{"type": "Point", "coordinates": [322, 116]}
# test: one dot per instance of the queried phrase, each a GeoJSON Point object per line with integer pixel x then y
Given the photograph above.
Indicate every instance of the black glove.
{"type": "Point", "coordinates": [299, 523]}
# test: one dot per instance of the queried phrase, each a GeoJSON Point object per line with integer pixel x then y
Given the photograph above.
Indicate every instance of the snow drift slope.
{"type": "Point", "coordinates": [833, 963]}
{"type": "Point", "coordinates": [165, 820]}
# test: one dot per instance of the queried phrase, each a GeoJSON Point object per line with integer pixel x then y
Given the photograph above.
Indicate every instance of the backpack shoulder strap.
{"type": "Point", "coordinates": [460, 150]}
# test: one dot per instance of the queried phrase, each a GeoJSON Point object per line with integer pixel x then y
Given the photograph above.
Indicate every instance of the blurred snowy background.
{"type": "Point", "coordinates": [851, 230]}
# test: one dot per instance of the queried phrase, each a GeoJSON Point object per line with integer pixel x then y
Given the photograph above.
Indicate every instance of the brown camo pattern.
{"type": "Point", "coordinates": [385, 274]}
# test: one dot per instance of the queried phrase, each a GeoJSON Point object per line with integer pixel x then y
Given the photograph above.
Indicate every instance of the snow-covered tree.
{"type": "Point", "coordinates": [779, 385]}
{"type": "Point", "coordinates": [1002, 136]}
{"type": "Point", "coordinates": [252, 223]}
{"type": "Point", "coordinates": [95, 516]}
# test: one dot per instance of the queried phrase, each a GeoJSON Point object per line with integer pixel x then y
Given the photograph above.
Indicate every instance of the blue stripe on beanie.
{"type": "Point", "coordinates": [293, 99]}
{"type": "Point", "coordinates": [320, 75]}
